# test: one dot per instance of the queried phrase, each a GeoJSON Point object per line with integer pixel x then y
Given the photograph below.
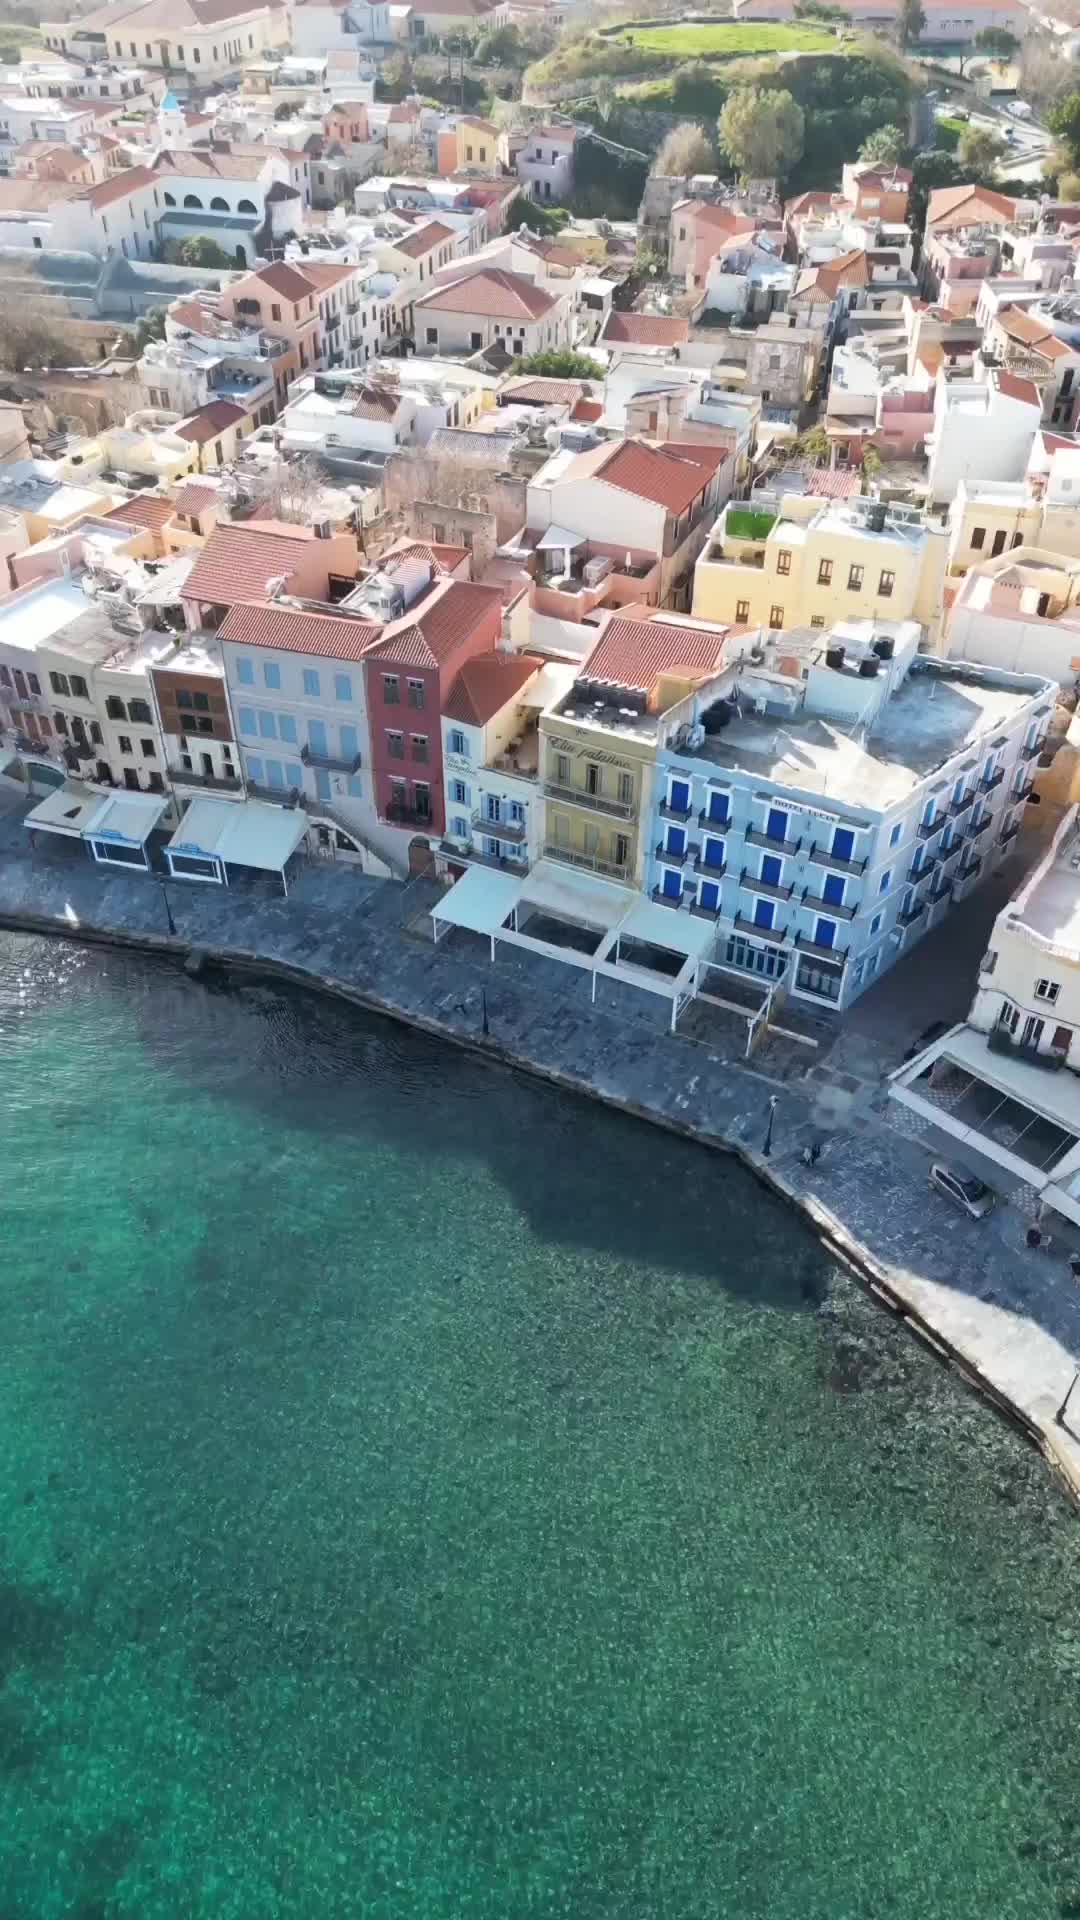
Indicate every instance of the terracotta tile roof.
{"type": "Point", "coordinates": [326, 274]}
{"type": "Point", "coordinates": [439, 555]}
{"type": "Point", "coordinates": [963, 206]}
{"type": "Point", "coordinates": [118, 186]}
{"type": "Point", "coordinates": [422, 239]}
{"type": "Point", "coordinates": [208, 422]}
{"type": "Point", "coordinates": [30, 193]}
{"type": "Point", "coordinates": [239, 560]}
{"type": "Point", "coordinates": [438, 625]}
{"type": "Point", "coordinates": [587, 411]}
{"type": "Point", "coordinates": [150, 510]}
{"type": "Point", "coordinates": [1031, 333]}
{"type": "Point", "coordinates": [288, 281]}
{"type": "Point", "coordinates": [194, 499]}
{"type": "Point", "coordinates": [635, 653]}
{"type": "Point", "coordinates": [869, 175]}
{"type": "Point", "coordinates": [1018, 389]}
{"type": "Point", "coordinates": [833, 483]}
{"type": "Point", "coordinates": [532, 390]}
{"type": "Point", "coordinates": [490, 292]}
{"type": "Point", "coordinates": [331, 635]}
{"type": "Point", "coordinates": [208, 163]}
{"type": "Point", "coordinates": [485, 684]}
{"type": "Point", "coordinates": [374, 403]}
{"type": "Point", "coordinates": [644, 330]}
{"type": "Point", "coordinates": [670, 476]}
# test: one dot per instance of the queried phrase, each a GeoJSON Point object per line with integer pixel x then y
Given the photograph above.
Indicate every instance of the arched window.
{"type": "Point", "coordinates": [246, 206]}
{"type": "Point", "coordinates": [192, 200]}
{"type": "Point", "coordinates": [218, 205]}
{"type": "Point", "coordinates": [169, 200]}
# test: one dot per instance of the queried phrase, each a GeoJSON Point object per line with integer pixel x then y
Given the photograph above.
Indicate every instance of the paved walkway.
{"type": "Point", "coordinates": [1011, 1316]}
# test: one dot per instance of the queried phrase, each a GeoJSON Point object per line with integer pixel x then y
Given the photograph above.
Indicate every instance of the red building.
{"type": "Point", "coordinates": [408, 673]}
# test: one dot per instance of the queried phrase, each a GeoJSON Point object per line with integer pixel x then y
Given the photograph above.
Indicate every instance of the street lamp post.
{"type": "Point", "coordinates": [768, 1131]}
{"type": "Point", "coordinates": [165, 903]}
{"type": "Point", "coordinates": [485, 1029]}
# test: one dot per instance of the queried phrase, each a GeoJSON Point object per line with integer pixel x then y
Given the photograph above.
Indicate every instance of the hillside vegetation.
{"type": "Point", "coordinates": [728, 40]}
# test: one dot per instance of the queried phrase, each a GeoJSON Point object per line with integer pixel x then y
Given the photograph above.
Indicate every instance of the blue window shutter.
{"type": "Point", "coordinates": [267, 726]}
{"type": "Point", "coordinates": [255, 769]}
{"type": "Point", "coordinates": [843, 843]}
{"type": "Point", "coordinates": [671, 884]}
{"type": "Point", "coordinates": [714, 852]}
{"type": "Point", "coordinates": [343, 686]}
{"type": "Point", "coordinates": [676, 839]}
{"type": "Point", "coordinates": [772, 869]}
{"type": "Point", "coordinates": [245, 671]}
{"type": "Point", "coordinates": [709, 895]}
{"type": "Point", "coordinates": [826, 933]}
{"type": "Point", "coordinates": [311, 682]}
{"type": "Point", "coordinates": [322, 783]}
{"type": "Point", "coordinates": [350, 742]}
{"type": "Point", "coordinates": [272, 674]}
{"type": "Point", "coordinates": [680, 796]}
{"type": "Point", "coordinates": [356, 786]}
{"type": "Point", "coordinates": [777, 824]}
{"type": "Point", "coordinates": [294, 773]}
{"type": "Point", "coordinates": [718, 806]}
{"type": "Point", "coordinates": [763, 913]}
{"type": "Point", "coordinates": [316, 733]}
{"type": "Point", "coordinates": [249, 726]}
{"type": "Point", "coordinates": [287, 728]}
{"type": "Point", "coordinates": [834, 888]}
{"type": "Point", "coordinates": [275, 774]}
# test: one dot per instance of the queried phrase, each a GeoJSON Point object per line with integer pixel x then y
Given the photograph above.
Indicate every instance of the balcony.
{"type": "Point", "coordinates": [909, 915]}
{"type": "Point", "coordinates": [998, 1040]}
{"type": "Point", "coordinates": [710, 820]}
{"type": "Point", "coordinates": [967, 872]}
{"type": "Point", "coordinates": [352, 307]}
{"type": "Point", "coordinates": [1009, 834]}
{"type": "Point", "coordinates": [679, 814]}
{"type": "Point", "coordinates": [776, 936]}
{"type": "Point", "coordinates": [988, 781]}
{"type": "Point", "coordinates": [594, 802]}
{"type": "Point", "coordinates": [278, 796]}
{"type": "Point", "coordinates": [207, 782]}
{"type": "Point", "coordinates": [398, 816]}
{"type": "Point", "coordinates": [472, 857]}
{"type": "Point", "coordinates": [672, 858]}
{"type": "Point", "coordinates": [1032, 751]}
{"type": "Point", "coordinates": [1022, 793]}
{"type": "Point", "coordinates": [663, 899]}
{"type": "Point", "coordinates": [822, 859]}
{"type": "Point", "coordinates": [980, 826]}
{"type": "Point", "coordinates": [332, 762]}
{"type": "Point", "coordinates": [959, 807]}
{"type": "Point", "coordinates": [837, 955]}
{"type": "Point", "coordinates": [922, 871]}
{"type": "Point", "coordinates": [768, 845]}
{"type": "Point", "coordinates": [710, 868]}
{"type": "Point", "coordinates": [926, 829]}
{"type": "Point", "coordinates": [941, 891]}
{"type": "Point", "coordinates": [512, 830]}
{"type": "Point", "coordinates": [570, 858]}
{"type": "Point", "coordinates": [767, 887]}
{"type": "Point", "coordinates": [819, 904]}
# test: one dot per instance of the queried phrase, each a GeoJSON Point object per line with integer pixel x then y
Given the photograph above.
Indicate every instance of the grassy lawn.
{"type": "Point", "coordinates": [947, 134]}
{"type": "Point", "coordinates": [735, 41]}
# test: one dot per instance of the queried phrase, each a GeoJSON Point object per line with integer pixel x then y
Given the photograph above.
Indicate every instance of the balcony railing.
{"type": "Point", "coordinates": [672, 857]}
{"type": "Point", "coordinates": [710, 820]}
{"type": "Point", "coordinates": [768, 887]}
{"type": "Point", "coordinates": [968, 872]}
{"type": "Point", "coordinates": [818, 903]}
{"type": "Point", "coordinates": [910, 914]}
{"type": "Point", "coordinates": [679, 814]}
{"type": "Point", "coordinates": [926, 829]}
{"type": "Point", "coordinates": [823, 859]}
{"type": "Point", "coordinates": [922, 871]}
{"type": "Point", "coordinates": [755, 838]}
{"type": "Point", "coordinates": [776, 936]}
{"type": "Point", "coordinates": [988, 781]}
{"type": "Point", "coordinates": [399, 816]}
{"type": "Point", "coordinates": [1022, 793]}
{"type": "Point", "coordinates": [1010, 834]}
{"type": "Point", "coordinates": [1030, 750]}
{"type": "Point", "coordinates": [941, 891]}
{"type": "Point", "coordinates": [332, 762]}
{"type": "Point", "coordinates": [595, 802]}
{"type": "Point", "coordinates": [571, 858]}
{"type": "Point", "coordinates": [278, 796]}
{"type": "Point", "coordinates": [837, 955]}
{"type": "Point", "coordinates": [210, 782]}
{"type": "Point", "coordinates": [960, 806]}
{"type": "Point", "coordinates": [710, 867]}
{"type": "Point", "coordinates": [499, 829]}
{"type": "Point", "coordinates": [980, 826]}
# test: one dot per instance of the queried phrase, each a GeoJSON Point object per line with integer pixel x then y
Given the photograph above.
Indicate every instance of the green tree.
{"type": "Point", "coordinates": [885, 147]}
{"type": "Point", "coordinates": [198, 250]}
{"type": "Point", "coordinates": [979, 152]}
{"type": "Point", "coordinates": [911, 23]}
{"type": "Point", "coordinates": [762, 130]}
{"type": "Point", "coordinates": [560, 363]}
{"type": "Point", "coordinates": [501, 47]}
{"type": "Point", "coordinates": [538, 219]}
{"type": "Point", "coordinates": [150, 326]}
{"type": "Point", "coordinates": [1064, 123]}
{"type": "Point", "coordinates": [928, 172]}
{"type": "Point", "coordinates": [684, 151]}
{"type": "Point", "coordinates": [998, 42]}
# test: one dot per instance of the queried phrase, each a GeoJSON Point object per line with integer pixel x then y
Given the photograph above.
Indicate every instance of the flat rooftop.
{"type": "Point", "coordinates": [1049, 904]}
{"type": "Point", "coordinates": [933, 716]}
{"type": "Point", "coordinates": [35, 615]}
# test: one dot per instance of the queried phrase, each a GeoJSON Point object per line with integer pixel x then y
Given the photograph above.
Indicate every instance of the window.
{"type": "Point", "coordinates": [776, 616]}
{"type": "Point", "coordinates": [418, 745]}
{"type": "Point", "coordinates": [978, 535]}
{"type": "Point", "coordinates": [875, 925]}
{"type": "Point", "coordinates": [855, 579]}
{"type": "Point", "coordinates": [267, 726]}
{"type": "Point", "coordinates": [432, 335]}
{"type": "Point", "coordinates": [459, 793]}
{"type": "Point", "coordinates": [894, 837]}
{"type": "Point", "coordinates": [272, 675]}
{"type": "Point", "coordinates": [245, 671]}
{"type": "Point", "coordinates": [742, 610]}
{"type": "Point", "coordinates": [886, 584]}
{"type": "Point", "coordinates": [416, 693]}
{"type": "Point", "coordinates": [824, 573]}
{"type": "Point", "coordinates": [456, 741]}
{"type": "Point", "coordinates": [626, 789]}
{"type": "Point", "coordinates": [115, 709]}
{"type": "Point", "coordinates": [249, 726]}
{"type": "Point", "coordinates": [1047, 990]}
{"type": "Point", "coordinates": [96, 733]}
{"type": "Point", "coordinates": [343, 686]}
{"type": "Point", "coordinates": [886, 881]}
{"type": "Point", "coordinates": [311, 683]}
{"type": "Point", "coordinates": [395, 744]}
{"type": "Point", "coordinates": [594, 777]}
{"type": "Point", "coordinates": [140, 710]}
{"type": "Point", "coordinates": [147, 749]}
{"type": "Point", "coordinates": [477, 340]}
{"type": "Point", "coordinates": [60, 723]}
{"type": "Point", "coordinates": [817, 619]}
{"type": "Point", "coordinates": [123, 742]}
{"type": "Point", "coordinates": [58, 682]}
{"type": "Point", "coordinates": [287, 728]}
{"type": "Point", "coordinates": [391, 689]}
{"type": "Point", "coordinates": [783, 560]}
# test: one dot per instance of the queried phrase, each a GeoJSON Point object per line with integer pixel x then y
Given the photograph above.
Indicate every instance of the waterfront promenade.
{"type": "Point", "coordinates": [1009, 1316]}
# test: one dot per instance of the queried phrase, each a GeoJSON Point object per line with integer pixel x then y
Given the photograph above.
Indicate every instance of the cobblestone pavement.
{"type": "Point", "coordinates": [1013, 1314]}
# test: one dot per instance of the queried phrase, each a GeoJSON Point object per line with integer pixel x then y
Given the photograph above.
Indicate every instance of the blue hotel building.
{"type": "Point", "coordinates": [838, 801]}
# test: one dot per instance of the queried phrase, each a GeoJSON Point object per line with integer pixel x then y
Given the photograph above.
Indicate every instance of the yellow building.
{"type": "Point", "coordinates": [598, 744]}
{"type": "Point", "coordinates": [805, 562]}
{"type": "Point", "coordinates": [189, 38]}
{"type": "Point", "coordinates": [472, 144]}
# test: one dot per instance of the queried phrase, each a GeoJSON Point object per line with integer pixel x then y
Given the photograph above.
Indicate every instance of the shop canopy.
{"type": "Point", "coordinates": [217, 834]}
{"type": "Point", "coordinates": [115, 826]}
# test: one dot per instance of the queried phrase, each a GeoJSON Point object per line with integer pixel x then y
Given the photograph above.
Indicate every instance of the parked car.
{"type": "Point", "coordinates": [1019, 109]}
{"type": "Point", "coordinates": [973, 1196]}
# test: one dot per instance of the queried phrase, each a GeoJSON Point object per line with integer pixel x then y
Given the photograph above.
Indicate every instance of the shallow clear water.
{"type": "Point", "coordinates": [425, 1495]}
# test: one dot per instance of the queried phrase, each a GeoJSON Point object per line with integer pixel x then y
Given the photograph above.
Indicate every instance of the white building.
{"type": "Point", "coordinates": [983, 430]}
{"type": "Point", "coordinates": [545, 163]}
{"type": "Point", "coordinates": [491, 759]}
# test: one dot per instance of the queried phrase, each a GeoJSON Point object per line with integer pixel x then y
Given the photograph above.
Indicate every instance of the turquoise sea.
{"type": "Point", "coordinates": [425, 1495]}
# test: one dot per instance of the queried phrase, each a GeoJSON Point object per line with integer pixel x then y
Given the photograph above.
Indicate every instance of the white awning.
{"type": "Point", "coordinates": [662, 927]}
{"type": "Point", "coordinates": [84, 813]}
{"type": "Point", "coordinates": [559, 537]}
{"type": "Point", "coordinates": [577, 895]}
{"type": "Point", "coordinates": [480, 901]}
{"type": "Point", "coordinates": [251, 833]}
